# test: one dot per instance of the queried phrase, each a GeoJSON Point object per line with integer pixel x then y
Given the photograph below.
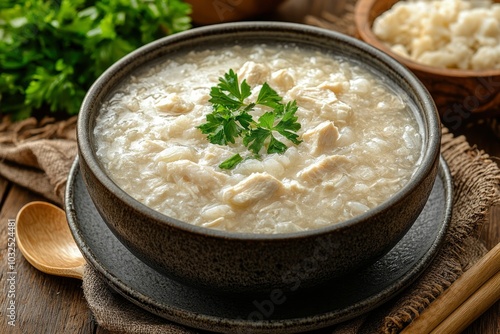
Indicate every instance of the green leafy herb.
{"type": "Point", "coordinates": [231, 119]}
{"type": "Point", "coordinates": [231, 162]}
{"type": "Point", "coordinates": [51, 51]}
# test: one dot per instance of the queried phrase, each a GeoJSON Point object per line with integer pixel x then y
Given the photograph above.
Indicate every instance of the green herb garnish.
{"type": "Point", "coordinates": [52, 51]}
{"type": "Point", "coordinates": [231, 119]}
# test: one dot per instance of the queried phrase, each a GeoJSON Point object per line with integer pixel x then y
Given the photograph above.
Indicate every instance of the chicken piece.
{"type": "Point", "coordinates": [153, 145]}
{"type": "Point", "coordinates": [175, 153]}
{"type": "Point", "coordinates": [322, 138]}
{"type": "Point", "coordinates": [204, 177]}
{"type": "Point", "coordinates": [282, 80]}
{"type": "Point", "coordinates": [322, 169]}
{"type": "Point", "coordinates": [173, 104]}
{"type": "Point", "coordinates": [177, 127]}
{"type": "Point", "coordinates": [339, 112]}
{"type": "Point", "coordinates": [313, 97]}
{"type": "Point", "coordinates": [322, 102]}
{"type": "Point", "coordinates": [256, 187]}
{"type": "Point", "coordinates": [253, 73]}
{"type": "Point", "coordinates": [336, 87]}
{"type": "Point", "coordinates": [216, 211]}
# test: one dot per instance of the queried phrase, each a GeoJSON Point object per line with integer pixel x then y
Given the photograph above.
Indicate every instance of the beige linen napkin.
{"type": "Point", "coordinates": [38, 155]}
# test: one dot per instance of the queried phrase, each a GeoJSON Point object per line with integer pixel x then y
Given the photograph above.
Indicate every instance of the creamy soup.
{"type": "Point", "coordinates": [360, 141]}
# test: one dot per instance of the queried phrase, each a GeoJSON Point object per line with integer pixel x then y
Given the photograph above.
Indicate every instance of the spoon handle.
{"type": "Point", "coordinates": [76, 272]}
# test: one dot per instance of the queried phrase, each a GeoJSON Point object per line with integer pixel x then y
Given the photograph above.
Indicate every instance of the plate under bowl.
{"type": "Point", "coordinates": [277, 311]}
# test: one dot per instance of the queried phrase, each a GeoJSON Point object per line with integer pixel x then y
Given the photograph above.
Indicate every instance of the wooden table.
{"type": "Point", "coordinates": [49, 304]}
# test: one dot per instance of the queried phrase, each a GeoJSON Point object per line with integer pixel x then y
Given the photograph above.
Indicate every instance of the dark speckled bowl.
{"type": "Point", "coordinates": [251, 262]}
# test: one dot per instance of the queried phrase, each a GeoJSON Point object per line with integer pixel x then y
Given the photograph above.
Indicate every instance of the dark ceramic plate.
{"type": "Point", "coordinates": [279, 311]}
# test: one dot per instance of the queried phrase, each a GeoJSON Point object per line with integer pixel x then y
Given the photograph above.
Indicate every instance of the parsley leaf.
{"type": "Point", "coordinates": [231, 162]}
{"type": "Point", "coordinates": [229, 93]}
{"type": "Point", "coordinates": [288, 123]}
{"type": "Point", "coordinates": [268, 97]}
{"type": "Point", "coordinates": [231, 119]}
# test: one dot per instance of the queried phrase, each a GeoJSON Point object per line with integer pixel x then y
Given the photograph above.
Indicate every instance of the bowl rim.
{"type": "Point", "coordinates": [362, 14]}
{"type": "Point", "coordinates": [429, 153]}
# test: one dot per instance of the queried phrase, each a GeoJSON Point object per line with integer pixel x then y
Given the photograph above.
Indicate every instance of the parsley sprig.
{"type": "Point", "coordinates": [231, 119]}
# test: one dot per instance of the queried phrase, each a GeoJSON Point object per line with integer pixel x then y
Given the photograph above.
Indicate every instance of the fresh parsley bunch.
{"type": "Point", "coordinates": [231, 118]}
{"type": "Point", "coordinates": [52, 51]}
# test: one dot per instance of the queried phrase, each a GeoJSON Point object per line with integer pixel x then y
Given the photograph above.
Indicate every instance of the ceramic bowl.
{"type": "Point", "coordinates": [235, 262]}
{"type": "Point", "coordinates": [459, 94]}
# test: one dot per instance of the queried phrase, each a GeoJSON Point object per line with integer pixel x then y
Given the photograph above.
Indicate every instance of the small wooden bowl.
{"type": "Point", "coordinates": [458, 94]}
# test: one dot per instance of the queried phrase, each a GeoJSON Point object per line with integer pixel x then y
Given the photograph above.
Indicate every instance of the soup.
{"type": "Point", "coordinates": [360, 141]}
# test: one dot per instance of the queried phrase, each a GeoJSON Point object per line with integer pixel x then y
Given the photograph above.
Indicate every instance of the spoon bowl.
{"type": "Point", "coordinates": [44, 238]}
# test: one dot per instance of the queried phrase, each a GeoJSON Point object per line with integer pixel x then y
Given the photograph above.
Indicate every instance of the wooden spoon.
{"type": "Point", "coordinates": [44, 238]}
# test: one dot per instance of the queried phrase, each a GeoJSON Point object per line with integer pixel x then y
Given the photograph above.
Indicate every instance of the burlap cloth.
{"type": "Point", "coordinates": [38, 155]}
